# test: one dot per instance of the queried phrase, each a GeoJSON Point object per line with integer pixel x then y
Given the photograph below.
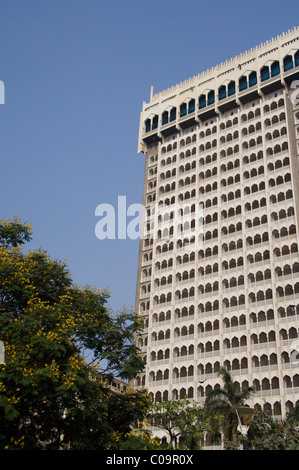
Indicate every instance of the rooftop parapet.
{"type": "Point", "coordinates": [247, 55]}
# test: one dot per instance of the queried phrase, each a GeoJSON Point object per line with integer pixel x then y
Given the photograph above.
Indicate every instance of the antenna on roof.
{"type": "Point", "coordinates": [152, 92]}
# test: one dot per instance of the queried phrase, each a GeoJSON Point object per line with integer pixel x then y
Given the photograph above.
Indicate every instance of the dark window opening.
{"type": "Point", "coordinates": [275, 69]}
{"type": "Point", "coordinates": [231, 89]}
{"type": "Point", "coordinates": [243, 83]}
{"type": "Point", "coordinates": [202, 101]}
{"type": "Point", "coordinates": [288, 63]}
{"type": "Point", "coordinates": [155, 122]}
{"type": "Point", "coordinates": [222, 92]}
{"type": "Point", "coordinates": [165, 118]}
{"type": "Point", "coordinates": [191, 107]}
{"type": "Point", "coordinates": [183, 110]}
{"type": "Point", "coordinates": [252, 79]}
{"type": "Point", "coordinates": [265, 74]}
{"type": "Point", "coordinates": [211, 97]}
{"type": "Point", "coordinates": [173, 114]}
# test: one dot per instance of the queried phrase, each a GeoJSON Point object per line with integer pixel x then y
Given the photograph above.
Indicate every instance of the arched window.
{"type": "Point", "coordinates": [164, 118]}
{"type": "Point", "coordinates": [147, 125]}
{"type": "Point", "coordinates": [231, 89]}
{"type": "Point", "coordinates": [242, 83]}
{"type": "Point", "coordinates": [202, 101]}
{"type": "Point", "coordinates": [211, 97]}
{"type": "Point", "coordinates": [183, 110]}
{"type": "Point", "coordinates": [288, 63]}
{"type": "Point", "coordinates": [265, 74]}
{"type": "Point", "coordinates": [297, 59]}
{"type": "Point", "coordinates": [172, 114]}
{"type": "Point", "coordinates": [252, 79]}
{"type": "Point", "coordinates": [222, 92]}
{"type": "Point", "coordinates": [155, 122]}
{"type": "Point", "coordinates": [191, 106]}
{"type": "Point", "coordinates": [275, 69]}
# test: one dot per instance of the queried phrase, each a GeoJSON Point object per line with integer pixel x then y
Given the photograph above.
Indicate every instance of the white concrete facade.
{"type": "Point", "coordinates": [227, 139]}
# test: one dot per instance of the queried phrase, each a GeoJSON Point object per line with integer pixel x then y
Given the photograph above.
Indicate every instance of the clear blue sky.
{"type": "Point", "coordinates": [76, 73]}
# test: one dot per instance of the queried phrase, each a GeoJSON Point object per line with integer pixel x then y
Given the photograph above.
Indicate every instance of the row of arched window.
{"type": "Point", "coordinates": [187, 275]}
{"type": "Point", "coordinates": [270, 409]}
{"type": "Point", "coordinates": [185, 313]}
{"type": "Point", "coordinates": [290, 381]}
{"type": "Point", "coordinates": [186, 353]}
{"type": "Point", "coordinates": [229, 123]}
{"type": "Point", "coordinates": [234, 323]}
{"type": "Point", "coordinates": [185, 333]}
{"type": "Point", "coordinates": [258, 238]}
{"type": "Point", "coordinates": [245, 82]}
{"type": "Point", "coordinates": [210, 327]}
{"type": "Point", "coordinates": [235, 282]}
{"type": "Point", "coordinates": [231, 150]}
{"type": "Point", "coordinates": [231, 165]}
{"type": "Point", "coordinates": [230, 180]}
{"type": "Point", "coordinates": [261, 295]}
{"type": "Point", "coordinates": [235, 149]}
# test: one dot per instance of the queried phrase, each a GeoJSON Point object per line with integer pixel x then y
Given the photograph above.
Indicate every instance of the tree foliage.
{"type": "Point", "coordinates": [50, 396]}
{"type": "Point", "coordinates": [263, 431]}
{"type": "Point", "coordinates": [224, 402]}
{"type": "Point", "coordinates": [181, 419]}
{"type": "Point", "coordinates": [266, 433]}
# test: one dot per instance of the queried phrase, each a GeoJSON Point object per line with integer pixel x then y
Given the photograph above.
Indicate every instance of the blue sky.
{"type": "Point", "coordinates": [76, 73]}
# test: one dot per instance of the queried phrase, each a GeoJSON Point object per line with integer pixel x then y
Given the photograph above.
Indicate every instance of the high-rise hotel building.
{"type": "Point", "coordinates": [220, 287]}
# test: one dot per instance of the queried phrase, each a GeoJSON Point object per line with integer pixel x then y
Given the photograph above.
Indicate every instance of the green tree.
{"type": "Point", "coordinates": [192, 423]}
{"type": "Point", "coordinates": [50, 396]}
{"type": "Point", "coordinates": [292, 418]}
{"type": "Point", "coordinates": [180, 418]}
{"type": "Point", "coordinates": [139, 438]}
{"type": "Point", "coordinates": [224, 402]}
{"type": "Point", "coordinates": [266, 433]}
{"type": "Point", "coordinates": [164, 414]}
